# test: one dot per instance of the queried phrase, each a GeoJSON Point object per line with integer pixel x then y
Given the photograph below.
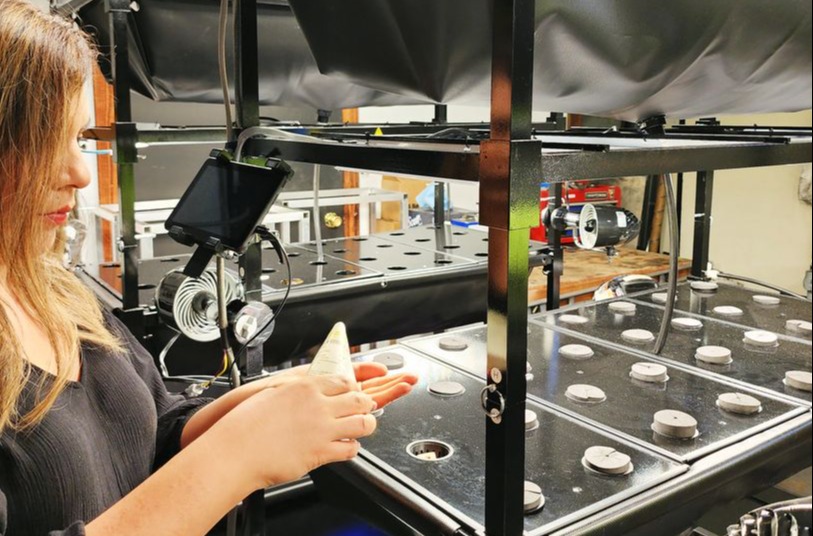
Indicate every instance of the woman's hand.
{"type": "Point", "coordinates": [372, 379]}
{"type": "Point", "coordinates": [284, 432]}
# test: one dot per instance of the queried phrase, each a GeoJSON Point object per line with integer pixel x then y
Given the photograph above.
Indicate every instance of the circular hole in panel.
{"type": "Point", "coordinates": [396, 234]}
{"type": "Point", "coordinates": [413, 253]}
{"type": "Point", "coordinates": [429, 450]}
{"type": "Point", "coordinates": [293, 255]}
{"type": "Point", "coordinates": [359, 239]}
{"type": "Point", "coordinates": [340, 251]}
{"type": "Point", "coordinates": [318, 263]}
{"type": "Point", "coordinates": [397, 268]}
{"type": "Point", "coordinates": [444, 262]}
{"type": "Point", "coordinates": [423, 240]}
{"type": "Point", "coordinates": [171, 259]}
{"type": "Point", "coordinates": [345, 272]}
{"type": "Point", "coordinates": [269, 270]}
{"type": "Point", "coordinates": [460, 233]}
{"type": "Point", "coordinates": [451, 247]}
{"type": "Point", "coordinates": [384, 246]}
{"type": "Point", "coordinates": [146, 286]}
{"type": "Point", "coordinates": [368, 259]}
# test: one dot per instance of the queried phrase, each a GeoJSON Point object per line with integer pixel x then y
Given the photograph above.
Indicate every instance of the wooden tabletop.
{"type": "Point", "coordinates": [585, 271]}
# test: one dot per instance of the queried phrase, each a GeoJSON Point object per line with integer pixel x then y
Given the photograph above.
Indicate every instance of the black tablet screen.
{"type": "Point", "coordinates": [227, 201]}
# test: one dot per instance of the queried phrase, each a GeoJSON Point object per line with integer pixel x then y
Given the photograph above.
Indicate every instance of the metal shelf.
{"type": "Point", "coordinates": [509, 165]}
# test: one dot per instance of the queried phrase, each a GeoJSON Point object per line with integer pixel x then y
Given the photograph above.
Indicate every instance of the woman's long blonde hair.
{"type": "Point", "coordinates": [44, 63]}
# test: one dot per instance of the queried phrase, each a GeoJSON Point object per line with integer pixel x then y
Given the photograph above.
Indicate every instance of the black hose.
{"type": "Point", "coordinates": [780, 290]}
{"type": "Point", "coordinates": [674, 252]}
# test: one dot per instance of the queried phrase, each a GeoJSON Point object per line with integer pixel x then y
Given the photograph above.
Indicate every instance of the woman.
{"type": "Point", "coordinates": [90, 441]}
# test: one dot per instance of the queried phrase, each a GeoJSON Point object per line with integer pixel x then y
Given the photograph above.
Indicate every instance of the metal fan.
{"type": "Point", "coordinates": [191, 303]}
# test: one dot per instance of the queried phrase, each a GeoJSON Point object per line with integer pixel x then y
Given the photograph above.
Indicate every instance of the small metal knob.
{"type": "Point", "coordinates": [333, 220]}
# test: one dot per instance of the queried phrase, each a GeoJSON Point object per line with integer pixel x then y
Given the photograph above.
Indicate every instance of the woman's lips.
{"type": "Point", "coordinates": [59, 217]}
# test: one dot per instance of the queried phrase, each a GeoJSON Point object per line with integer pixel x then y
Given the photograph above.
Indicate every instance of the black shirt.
{"type": "Point", "coordinates": [104, 436]}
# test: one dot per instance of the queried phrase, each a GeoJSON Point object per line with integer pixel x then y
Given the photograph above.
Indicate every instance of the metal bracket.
{"type": "Point", "coordinates": [122, 247]}
{"type": "Point", "coordinates": [494, 413]}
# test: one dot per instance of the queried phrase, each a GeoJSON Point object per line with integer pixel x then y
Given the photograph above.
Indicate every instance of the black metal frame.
{"type": "Point", "coordinates": [702, 223]}
{"type": "Point", "coordinates": [510, 166]}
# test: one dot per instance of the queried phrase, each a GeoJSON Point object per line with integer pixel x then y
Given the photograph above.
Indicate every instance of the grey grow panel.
{"type": "Point", "coordinates": [457, 484]}
{"type": "Point", "coordinates": [761, 367]}
{"type": "Point", "coordinates": [631, 404]}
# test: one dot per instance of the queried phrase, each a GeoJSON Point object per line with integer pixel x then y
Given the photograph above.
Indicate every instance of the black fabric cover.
{"type": "Point", "coordinates": [628, 59]}
{"type": "Point", "coordinates": [173, 45]}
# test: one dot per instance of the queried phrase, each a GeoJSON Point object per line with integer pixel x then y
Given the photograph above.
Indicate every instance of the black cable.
{"type": "Point", "coordinates": [674, 246]}
{"type": "Point", "coordinates": [780, 290]}
{"type": "Point", "coordinates": [265, 234]}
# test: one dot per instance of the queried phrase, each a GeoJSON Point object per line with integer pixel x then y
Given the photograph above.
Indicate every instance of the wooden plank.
{"type": "Point", "coordinates": [104, 111]}
{"type": "Point", "coordinates": [657, 219]}
{"type": "Point", "coordinates": [350, 180]}
{"type": "Point", "coordinates": [585, 271]}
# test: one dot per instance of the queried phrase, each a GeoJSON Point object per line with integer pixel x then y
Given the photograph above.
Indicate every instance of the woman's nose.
{"type": "Point", "coordinates": [77, 174]}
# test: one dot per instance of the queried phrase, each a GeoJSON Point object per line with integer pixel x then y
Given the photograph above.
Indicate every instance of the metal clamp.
{"type": "Point", "coordinates": [122, 246]}
{"type": "Point", "coordinates": [495, 414]}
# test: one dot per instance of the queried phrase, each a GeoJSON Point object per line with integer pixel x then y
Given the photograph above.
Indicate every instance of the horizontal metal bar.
{"type": "Point", "coordinates": [163, 136]}
{"type": "Point", "coordinates": [564, 166]}
{"type": "Point", "coordinates": [412, 128]}
{"type": "Point", "coordinates": [455, 163]}
{"type": "Point", "coordinates": [425, 158]}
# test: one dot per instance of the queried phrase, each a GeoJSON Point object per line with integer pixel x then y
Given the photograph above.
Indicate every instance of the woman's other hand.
{"type": "Point", "coordinates": [283, 433]}
{"type": "Point", "coordinates": [384, 389]}
{"type": "Point", "coordinates": [372, 379]}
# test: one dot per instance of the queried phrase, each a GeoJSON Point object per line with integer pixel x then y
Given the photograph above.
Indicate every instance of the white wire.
{"type": "Point", "coordinates": [317, 220]}
{"type": "Point", "coordinates": [272, 132]}
{"type": "Point", "coordinates": [221, 63]}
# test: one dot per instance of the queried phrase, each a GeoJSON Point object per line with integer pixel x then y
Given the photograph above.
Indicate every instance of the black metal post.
{"type": "Point", "coordinates": [125, 153]}
{"type": "Point", "coordinates": [248, 115]}
{"type": "Point", "coordinates": [679, 194]}
{"type": "Point", "coordinates": [557, 120]}
{"type": "Point", "coordinates": [247, 101]}
{"type": "Point", "coordinates": [702, 222]}
{"type": "Point", "coordinates": [556, 268]}
{"type": "Point", "coordinates": [509, 203]}
{"type": "Point", "coordinates": [648, 211]}
{"type": "Point", "coordinates": [440, 205]}
{"type": "Point", "coordinates": [441, 114]}
{"type": "Point", "coordinates": [246, 58]}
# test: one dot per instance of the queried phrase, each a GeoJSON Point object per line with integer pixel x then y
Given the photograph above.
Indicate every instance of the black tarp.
{"type": "Point", "coordinates": [628, 59]}
{"type": "Point", "coordinates": [173, 47]}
